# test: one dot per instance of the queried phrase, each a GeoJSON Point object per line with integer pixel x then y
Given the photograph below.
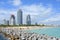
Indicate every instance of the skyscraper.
{"type": "Point", "coordinates": [5, 22]}
{"type": "Point", "coordinates": [28, 20]}
{"type": "Point", "coordinates": [12, 20]}
{"type": "Point", "coordinates": [19, 17]}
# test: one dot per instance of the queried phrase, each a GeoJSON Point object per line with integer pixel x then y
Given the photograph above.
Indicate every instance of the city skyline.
{"type": "Point", "coordinates": [41, 11]}
{"type": "Point", "coordinates": [12, 19]}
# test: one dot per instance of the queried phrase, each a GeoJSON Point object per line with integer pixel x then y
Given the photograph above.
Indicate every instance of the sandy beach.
{"type": "Point", "coordinates": [27, 27]}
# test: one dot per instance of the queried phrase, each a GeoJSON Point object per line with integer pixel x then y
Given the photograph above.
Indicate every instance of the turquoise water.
{"type": "Point", "coordinates": [55, 32]}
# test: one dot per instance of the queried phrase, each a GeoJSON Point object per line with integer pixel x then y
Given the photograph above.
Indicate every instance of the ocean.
{"type": "Point", "coordinates": [54, 32]}
{"type": "Point", "coordinates": [2, 37]}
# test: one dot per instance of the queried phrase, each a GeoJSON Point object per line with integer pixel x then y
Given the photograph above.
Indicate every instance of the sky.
{"type": "Point", "coordinates": [41, 11]}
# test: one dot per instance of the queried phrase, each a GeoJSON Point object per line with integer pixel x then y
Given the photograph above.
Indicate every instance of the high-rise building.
{"type": "Point", "coordinates": [12, 20]}
{"type": "Point", "coordinates": [28, 20]}
{"type": "Point", "coordinates": [19, 17]}
{"type": "Point", "coordinates": [5, 22]}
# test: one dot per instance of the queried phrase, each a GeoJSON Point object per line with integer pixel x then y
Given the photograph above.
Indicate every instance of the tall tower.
{"type": "Point", "coordinates": [28, 20]}
{"type": "Point", "coordinates": [5, 22]}
{"type": "Point", "coordinates": [19, 17]}
{"type": "Point", "coordinates": [12, 20]}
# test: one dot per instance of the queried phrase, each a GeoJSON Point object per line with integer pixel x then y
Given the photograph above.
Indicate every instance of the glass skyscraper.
{"type": "Point", "coordinates": [19, 17]}
{"type": "Point", "coordinates": [28, 20]}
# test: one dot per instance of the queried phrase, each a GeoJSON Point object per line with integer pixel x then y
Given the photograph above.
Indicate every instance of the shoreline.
{"type": "Point", "coordinates": [27, 28]}
{"type": "Point", "coordinates": [17, 30]}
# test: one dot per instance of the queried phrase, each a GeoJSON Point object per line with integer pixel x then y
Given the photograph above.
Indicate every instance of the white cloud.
{"type": "Point", "coordinates": [16, 2]}
{"type": "Point", "coordinates": [52, 19]}
{"type": "Point", "coordinates": [37, 9]}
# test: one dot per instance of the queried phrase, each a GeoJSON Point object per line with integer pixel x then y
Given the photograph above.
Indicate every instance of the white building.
{"type": "Point", "coordinates": [12, 20]}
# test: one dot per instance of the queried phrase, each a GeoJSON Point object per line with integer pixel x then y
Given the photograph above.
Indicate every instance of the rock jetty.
{"type": "Point", "coordinates": [18, 34]}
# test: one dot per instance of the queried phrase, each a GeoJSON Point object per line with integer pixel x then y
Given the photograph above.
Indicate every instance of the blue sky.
{"type": "Point", "coordinates": [41, 11]}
